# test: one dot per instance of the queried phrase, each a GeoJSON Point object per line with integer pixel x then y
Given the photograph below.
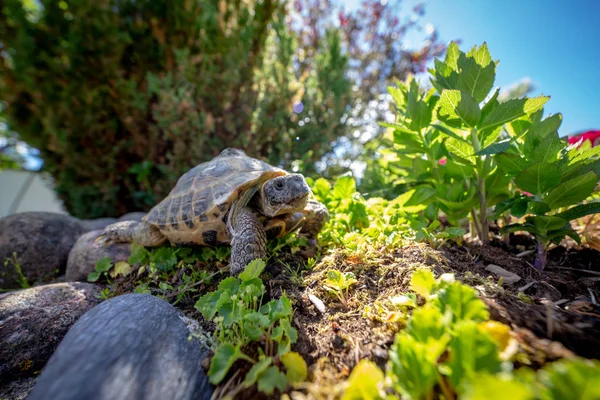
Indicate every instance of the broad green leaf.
{"type": "Point", "coordinates": [585, 155]}
{"type": "Point", "coordinates": [477, 73]}
{"type": "Point", "coordinates": [164, 258]}
{"type": "Point", "coordinates": [321, 188]}
{"type": "Point", "coordinates": [254, 324]}
{"type": "Point", "coordinates": [471, 351]}
{"type": "Point", "coordinates": [450, 133]}
{"type": "Point", "coordinates": [580, 211]}
{"type": "Point", "coordinates": [463, 302]}
{"type": "Point", "coordinates": [344, 188]}
{"type": "Point", "coordinates": [485, 386]}
{"type": "Point", "coordinates": [537, 208]}
{"type": "Point", "coordinates": [512, 164]}
{"type": "Point", "coordinates": [252, 270]}
{"type": "Point", "coordinates": [495, 148]}
{"type": "Point", "coordinates": [421, 195]}
{"type": "Point", "coordinates": [511, 110]}
{"type": "Point", "coordinates": [519, 208]}
{"type": "Point", "coordinates": [363, 381]}
{"type": "Point", "coordinates": [427, 324]}
{"type": "Point", "coordinates": [277, 308]}
{"type": "Point", "coordinates": [417, 110]}
{"type": "Point", "coordinates": [296, 369]}
{"type": "Point", "coordinates": [519, 227]}
{"type": "Point", "coordinates": [93, 276]}
{"type": "Point", "coordinates": [207, 304]}
{"type": "Point", "coordinates": [452, 56]}
{"type": "Point", "coordinates": [570, 379]}
{"type": "Point", "coordinates": [224, 357]}
{"type": "Point", "coordinates": [423, 282]}
{"type": "Point", "coordinates": [103, 264]}
{"type": "Point", "coordinates": [490, 104]}
{"type": "Point", "coordinates": [461, 151]}
{"type": "Point", "coordinates": [409, 141]}
{"type": "Point", "coordinates": [538, 178]}
{"type": "Point", "coordinates": [413, 366]}
{"type": "Point", "coordinates": [139, 254]}
{"type": "Point", "coordinates": [455, 104]}
{"type": "Point", "coordinates": [256, 371]}
{"type": "Point", "coordinates": [572, 191]}
{"type": "Point", "coordinates": [546, 150]}
{"type": "Point", "coordinates": [272, 379]}
{"type": "Point", "coordinates": [546, 126]}
{"type": "Point", "coordinates": [230, 285]}
{"type": "Point", "coordinates": [546, 223]}
{"type": "Point", "coordinates": [121, 269]}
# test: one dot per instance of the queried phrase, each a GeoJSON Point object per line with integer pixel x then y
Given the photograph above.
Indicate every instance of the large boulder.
{"type": "Point", "coordinates": [101, 223]}
{"type": "Point", "coordinates": [97, 223]}
{"type": "Point", "coordinates": [87, 251]}
{"type": "Point", "coordinates": [34, 321]}
{"type": "Point", "coordinates": [40, 243]}
{"type": "Point", "coordinates": [130, 347]}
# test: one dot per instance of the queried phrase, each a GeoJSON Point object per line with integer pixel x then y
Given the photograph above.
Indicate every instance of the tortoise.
{"type": "Point", "coordinates": [232, 199]}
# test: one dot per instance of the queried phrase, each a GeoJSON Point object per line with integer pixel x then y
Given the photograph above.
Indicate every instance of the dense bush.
{"type": "Point", "coordinates": [121, 97]}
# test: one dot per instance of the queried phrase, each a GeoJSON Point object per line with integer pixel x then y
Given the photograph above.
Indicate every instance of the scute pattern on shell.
{"type": "Point", "coordinates": [204, 194]}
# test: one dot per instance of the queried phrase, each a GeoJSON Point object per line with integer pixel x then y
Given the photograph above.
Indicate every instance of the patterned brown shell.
{"type": "Point", "coordinates": [201, 199]}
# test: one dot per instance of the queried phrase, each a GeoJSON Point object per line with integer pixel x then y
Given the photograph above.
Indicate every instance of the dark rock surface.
{"type": "Point", "coordinates": [18, 389]}
{"type": "Point", "coordinates": [87, 251]}
{"type": "Point", "coordinates": [131, 347]}
{"type": "Point", "coordinates": [98, 223]}
{"type": "Point", "coordinates": [34, 321]}
{"type": "Point", "coordinates": [42, 242]}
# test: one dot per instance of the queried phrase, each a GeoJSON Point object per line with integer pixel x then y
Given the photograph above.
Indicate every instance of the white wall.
{"type": "Point", "coordinates": [34, 188]}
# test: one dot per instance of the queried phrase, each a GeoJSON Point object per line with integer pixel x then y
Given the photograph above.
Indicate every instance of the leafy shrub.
{"type": "Point", "coordinates": [549, 176]}
{"type": "Point", "coordinates": [121, 98]}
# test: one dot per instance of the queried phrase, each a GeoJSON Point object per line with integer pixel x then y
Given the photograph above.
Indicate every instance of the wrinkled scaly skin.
{"type": "Point", "coordinates": [280, 204]}
{"type": "Point", "coordinates": [249, 241]}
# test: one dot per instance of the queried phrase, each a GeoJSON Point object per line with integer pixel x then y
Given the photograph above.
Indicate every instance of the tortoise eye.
{"type": "Point", "coordinates": [279, 185]}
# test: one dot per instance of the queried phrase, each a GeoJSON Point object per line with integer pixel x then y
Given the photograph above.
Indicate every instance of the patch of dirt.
{"type": "Point", "coordinates": [552, 313]}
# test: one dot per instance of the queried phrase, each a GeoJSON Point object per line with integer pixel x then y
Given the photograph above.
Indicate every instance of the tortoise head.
{"type": "Point", "coordinates": [283, 195]}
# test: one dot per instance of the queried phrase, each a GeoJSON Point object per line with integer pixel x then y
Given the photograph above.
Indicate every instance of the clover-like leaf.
{"type": "Point", "coordinates": [252, 270]}
{"type": "Point", "coordinates": [272, 379]}
{"type": "Point", "coordinates": [296, 369]}
{"type": "Point", "coordinates": [222, 360]}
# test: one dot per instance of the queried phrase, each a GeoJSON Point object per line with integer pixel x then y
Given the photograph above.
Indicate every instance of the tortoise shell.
{"type": "Point", "coordinates": [196, 210]}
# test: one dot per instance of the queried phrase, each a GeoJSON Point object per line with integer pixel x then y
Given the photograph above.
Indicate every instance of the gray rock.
{"type": "Point", "coordinates": [130, 347]}
{"type": "Point", "coordinates": [18, 389]}
{"type": "Point", "coordinates": [34, 321]}
{"type": "Point", "coordinates": [98, 223]}
{"type": "Point", "coordinates": [132, 216]}
{"type": "Point", "coordinates": [42, 242]}
{"type": "Point", "coordinates": [87, 251]}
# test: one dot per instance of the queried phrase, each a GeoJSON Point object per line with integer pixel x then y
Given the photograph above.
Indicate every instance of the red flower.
{"type": "Point", "coordinates": [443, 161]}
{"type": "Point", "coordinates": [526, 193]}
{"type": "Point", "coordinates": [343, 19]}
{"type": "Point", "coordinates": [592, 136]}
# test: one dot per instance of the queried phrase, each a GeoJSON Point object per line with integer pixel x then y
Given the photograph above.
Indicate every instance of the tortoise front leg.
{"type": "Point", "coordinates": [315, 216]}
{"type": "Point", "coordinates": [132, 231]}
{"type": "Point", "coordinates": [249, 240]}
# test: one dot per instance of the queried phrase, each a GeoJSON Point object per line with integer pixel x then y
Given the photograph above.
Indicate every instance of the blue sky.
{"type": "Point", "coordinates": [555, 43]}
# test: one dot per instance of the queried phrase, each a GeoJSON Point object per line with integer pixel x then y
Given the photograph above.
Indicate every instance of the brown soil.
{"type": "Point", "coordinates": [552, 313]}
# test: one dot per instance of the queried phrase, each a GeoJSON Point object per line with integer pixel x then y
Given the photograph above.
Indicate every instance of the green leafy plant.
{"type": "Point", "coordinates": [241, 321]}
{"type": "Point", "coordinates": [446, 137]}
{"type": "Point", "coordinates": [21, 278]}
{"type": "Point", "coordinates": [552, 180]}
{"type": "Point", "coordinates": [338, 283]}
{"type": "Point", "coordinates": [102, 267]}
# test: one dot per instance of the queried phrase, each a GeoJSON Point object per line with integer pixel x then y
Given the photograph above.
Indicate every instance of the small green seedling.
{"type": "Point", "coordinates": [21, 279]}
{"type": "Point", "coordinates": [243, 322]}
{"type": "Point", "coordinates": [337, 283]}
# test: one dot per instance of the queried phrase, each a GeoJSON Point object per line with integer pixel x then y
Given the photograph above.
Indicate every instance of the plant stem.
{"type": "Point", "coordinates": [475, 224]}
{"type": "Point", "coordinates": [484, 234]}
{"type": "Point", "coordinates": [446, 390]}
{"type": "Point", "coordinates": [540, 256]}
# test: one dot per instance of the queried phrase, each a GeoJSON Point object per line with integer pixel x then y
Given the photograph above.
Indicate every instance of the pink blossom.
{"type": "Point", "coordinates": [526, 193]}
{"type": "Point", "coordinates": [443, 161]}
